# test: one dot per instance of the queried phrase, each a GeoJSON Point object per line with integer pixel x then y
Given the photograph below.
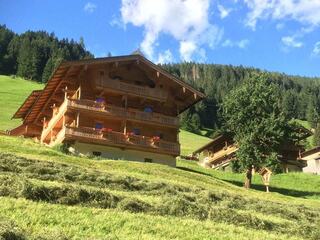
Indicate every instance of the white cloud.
{"type": "Point", "coordinates": [187, 21]}
{"type": "Point", "coordinates": [117, 22]}
{"type": "Point", "coordinates": [186, 49]}
{"type": "Point", "coordinates": [240, 44]}
{"type": "Point", "coordinates": [290, 41]}
{"type": "Point", "coordinates": [243, 43]}
{"type": "Point", "coordinates": [90, 7]}
{"type": "Point", "coordinates": [224, 12]}
{"type": "Point", "coordinates": [280, 26]}
{"type": "Point", "coordinates": [227, 43]}
{"type": "Point", "coordinates": [303, 11]}
{"type": "Point", "coordinates": [165, 57]}
{"type": "Point", "coordinates": [316, 49]}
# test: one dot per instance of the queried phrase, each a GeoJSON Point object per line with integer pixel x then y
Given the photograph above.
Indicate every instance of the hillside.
{"type": "Point", "coordinates": [45, 194]}
{"type": "Point", "coordinates": [13, 92]}
{"type": "Point", "coordinates": [89, 198]}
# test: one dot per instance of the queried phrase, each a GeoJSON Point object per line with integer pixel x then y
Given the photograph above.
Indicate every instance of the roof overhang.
{"type": "Point", "coordinates": [214, 142]}
{"type": "Point", "coordinates": [27, 105]}
{"type": "Point", "coordinates": [312, 154]}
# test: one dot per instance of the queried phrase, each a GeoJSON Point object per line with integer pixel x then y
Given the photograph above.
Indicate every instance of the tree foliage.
{"type": "Point", "coordinates": [253, 114]}
{"type": "Point", "coordinates": [34, 55]}
{"type": "Point", "coordinates": [216, 81]}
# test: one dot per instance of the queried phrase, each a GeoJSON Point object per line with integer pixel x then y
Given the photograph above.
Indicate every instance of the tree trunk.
{"type": "Point", "coordinates": [247, 182]}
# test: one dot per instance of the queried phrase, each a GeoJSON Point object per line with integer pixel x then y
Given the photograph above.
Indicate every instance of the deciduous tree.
{"type": "Point", "coordinates": [252, 112]}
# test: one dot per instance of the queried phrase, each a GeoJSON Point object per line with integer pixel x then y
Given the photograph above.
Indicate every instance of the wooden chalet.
{"type": "Point", "coordinates": [312, 158]}
{"type": "Point", "coordinates": [218, 153]}
{"type": "Point", "coordinates": [221, 151]}
{"type": "Point", "coordinates": [122, 107]}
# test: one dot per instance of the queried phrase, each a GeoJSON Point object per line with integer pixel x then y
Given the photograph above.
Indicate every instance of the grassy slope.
{"type": "Point", "coordinates": [176, 223]}
{"type": "Point", "coordinates": [13, 91]}
{"type": "Point", "coordinates": [172, 210]}
{"type": "Point", "coordinates": [190, 142]}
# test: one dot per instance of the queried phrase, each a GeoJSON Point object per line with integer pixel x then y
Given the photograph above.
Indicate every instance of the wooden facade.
{"type": "Point", "coordinates": [218, 153]}
{"type": "Point", "coordinates": [119, 107]}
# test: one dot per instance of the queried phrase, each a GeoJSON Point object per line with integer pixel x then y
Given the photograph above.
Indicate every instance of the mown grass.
{"type": "Point", "coordinates": [58, 221]}
{"type": "Point", "coordinates": [13, 92]}
{"type": "Point", "coordinates": [45, 194]}
{"type": "Point", "coordinates": [296, 184]}
{"type": "Point", "coordinates": [33, 178]}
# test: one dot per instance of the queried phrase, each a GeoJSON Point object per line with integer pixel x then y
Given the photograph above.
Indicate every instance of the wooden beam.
{"type": "Point", "coordinates": [53, 93]}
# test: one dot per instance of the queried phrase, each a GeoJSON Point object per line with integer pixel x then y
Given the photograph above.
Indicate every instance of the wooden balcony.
{"type": "Point", "coordinates": [130, 114]}
{"type": "Point", "coordinates": [117, 139]}
{"type": "Point", "coordinates": [130, 89]}
{"type": "Point", "coordinates": [56, 116]}
{"type": "Point", "coordinates": [222, 154]}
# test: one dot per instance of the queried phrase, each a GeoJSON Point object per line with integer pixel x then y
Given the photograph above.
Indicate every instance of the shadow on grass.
{"type": "Point", "coordinates": [193, 171]}
{"type": "Point", "coordinates": [283, 191]}
{"type": "Point", "coordinates": [262, 188]}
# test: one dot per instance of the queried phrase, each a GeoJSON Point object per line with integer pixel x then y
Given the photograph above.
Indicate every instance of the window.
{"type": "Point", "coordinates": [98, 125]}
{"type": "Point", "coordinates": [136, 131]}
{"type": "Point", "coordinates": [148, 160]}
{"type": "Point", "coordinates": [101, 73]}
{"type": "Point", "coordinates": [148, 109]}
{"type": "Point", "coordinates": [96, 154]}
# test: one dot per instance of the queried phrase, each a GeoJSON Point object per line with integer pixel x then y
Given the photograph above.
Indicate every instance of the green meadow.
{"type": "Point", "coordinates": [13, 92]}
{"type": "Point", "coordinates": [45, 194]}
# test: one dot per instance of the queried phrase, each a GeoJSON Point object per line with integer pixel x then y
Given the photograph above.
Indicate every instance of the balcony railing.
{"type": "Point", "coordinates": [120, 139]}
{"type": "Point", "coordinates": [56, 116]}
{"type": "Point", "coordinates": [222, 153]}
{"type": "Point", "coordinates": [121, 112]}
{"type": "Point", "coordinates": [141, 91]}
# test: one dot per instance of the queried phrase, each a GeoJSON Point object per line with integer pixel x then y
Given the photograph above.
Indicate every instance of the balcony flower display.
{"type": "Point", "coordinates": [155, 139]}
{"type": "Point", "coordinates": [100, 103]}
{"type": "Point", "coordinates": [107, 129]}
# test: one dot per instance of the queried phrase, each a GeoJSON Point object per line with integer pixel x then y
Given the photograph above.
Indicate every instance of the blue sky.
{"type": "Point", "coordinates": [276, 35]}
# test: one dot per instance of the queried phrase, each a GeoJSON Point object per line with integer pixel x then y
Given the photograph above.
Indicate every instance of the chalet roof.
{"type": "Point", "coordinates": [215, 141]}
{"type": "Point", "coordinates": [314, 151]}
{"type": "Point", "coordinates": [26, 106]}
{"type": "Point", "coordinates": [136, 57]}
{"type": "Point", "coordinates": [67, 70]}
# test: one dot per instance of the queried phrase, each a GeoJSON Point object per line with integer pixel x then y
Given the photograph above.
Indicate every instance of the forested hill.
{"type": "Point", "coordinates": [300, 95]}
{"type": "Point", "coordinates": [34, 55]}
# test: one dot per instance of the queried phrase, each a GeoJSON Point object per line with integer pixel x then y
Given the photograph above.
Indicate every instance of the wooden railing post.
{"type": "Point", "coordinates": [79, 93]}
{"type": "Point", "coordinates": [77, 122]}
